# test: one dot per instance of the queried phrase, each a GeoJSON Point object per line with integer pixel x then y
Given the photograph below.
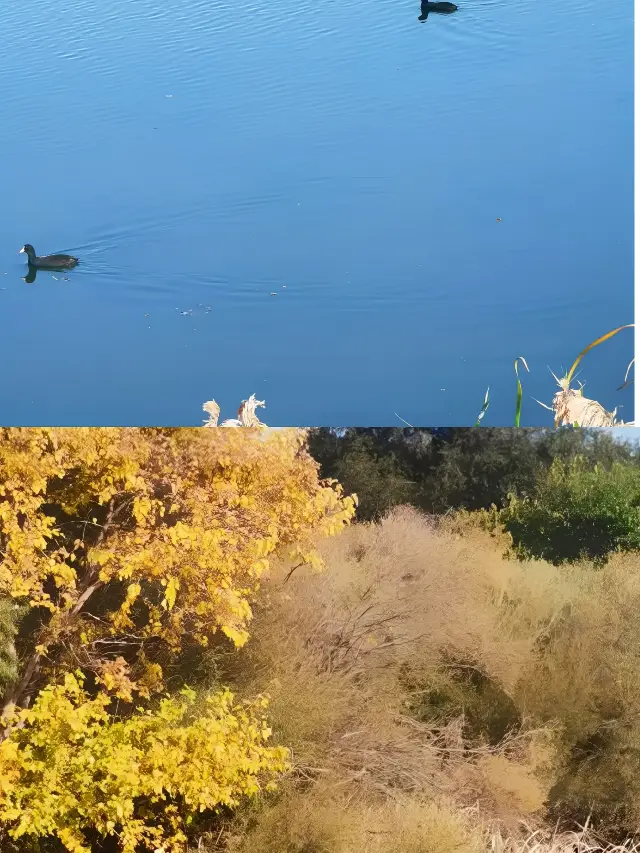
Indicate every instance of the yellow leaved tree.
{"type": "Point", "coordinates": [125, 547]}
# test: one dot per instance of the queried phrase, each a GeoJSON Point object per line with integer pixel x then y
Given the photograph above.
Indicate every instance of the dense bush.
{"type": "Point", "coordinates": [577, 514]}
{"type": "Point", "coordinates": [126, 547]}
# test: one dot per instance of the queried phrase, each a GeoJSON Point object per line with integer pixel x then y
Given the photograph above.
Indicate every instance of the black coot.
{"type": "Point", "coordinates": [53, 262]}
{"type": "Point", "coordinates": [443, 8]}
{"type": "Point", "coordinates": [440, 7]}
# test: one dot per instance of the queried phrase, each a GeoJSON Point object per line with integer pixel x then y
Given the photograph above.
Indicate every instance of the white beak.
{"type": "Point", "coordinates": [21, 252]}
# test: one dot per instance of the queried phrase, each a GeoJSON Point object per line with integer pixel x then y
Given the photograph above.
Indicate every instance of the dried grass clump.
{"type": "Point", "coordinates": [329, 821]}
{"type": "Point", "coordinates": [384, 670]}
{"type": "Point", "coordinates": [571, 408]}
{"type": "Point", "coordinates": [246, 414]}
{"type": "Point", "coordinates": [553, 841]}
{"type": "Point", "coordinates": [398, 602]}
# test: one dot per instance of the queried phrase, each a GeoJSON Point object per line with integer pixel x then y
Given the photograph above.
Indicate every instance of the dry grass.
{"type": "Point", "coordinates": [551, 841]}
{"type": "Point", "coordinates": [324, 822]}
{"type": "Point", "coordinates": [406, 612]}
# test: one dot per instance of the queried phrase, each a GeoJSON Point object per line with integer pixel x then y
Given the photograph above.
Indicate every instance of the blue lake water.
{"type": "Point", "coordinates": [200, 157]}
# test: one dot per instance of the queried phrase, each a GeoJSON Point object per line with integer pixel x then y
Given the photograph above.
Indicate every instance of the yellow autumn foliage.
{"type": "Point", "coordinates": [68, 767]}
{"type": "Point", "coordinates": [182, 522]}
{"type": "Point", "coordinates": [128, 545]}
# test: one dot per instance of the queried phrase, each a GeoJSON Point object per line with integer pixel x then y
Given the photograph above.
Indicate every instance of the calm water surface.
{"type": "Point", "coordinates": [301, 199]}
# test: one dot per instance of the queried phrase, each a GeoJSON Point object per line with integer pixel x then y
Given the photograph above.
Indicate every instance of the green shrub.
{"type": "Point", "coordinates": [576, 514]}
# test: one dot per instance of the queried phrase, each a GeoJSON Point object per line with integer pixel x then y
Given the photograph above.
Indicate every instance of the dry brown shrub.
{"type": "Point", "coordinates": [331, 650]}
{"type": "Point", "coordinates": [334, 650]}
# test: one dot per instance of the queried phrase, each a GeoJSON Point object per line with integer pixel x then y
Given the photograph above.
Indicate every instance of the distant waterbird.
{"type": "Point", "coordinates": [51, 262]}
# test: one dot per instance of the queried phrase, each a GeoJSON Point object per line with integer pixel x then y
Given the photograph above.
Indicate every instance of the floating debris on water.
{"type": "Point", "coordinates": [205, 309]}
